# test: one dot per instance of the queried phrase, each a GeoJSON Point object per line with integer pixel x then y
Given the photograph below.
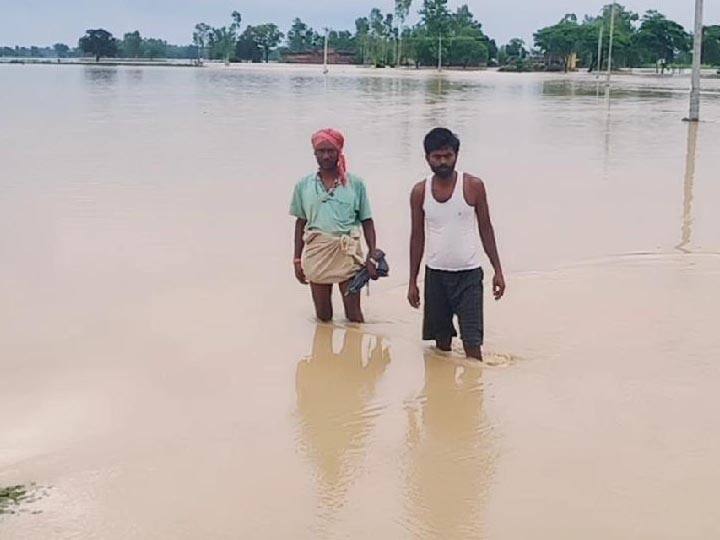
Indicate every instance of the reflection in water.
{"type": "Point", "coordinates": [688, 184]}
{"type": "Point", "coordinates": [101, 76]}
{"type": "Point", "coordinates": [135, 76]}
{"type": "Point", "coordinates": [436, 90]}
{"type": "Point", "coordinates": [608, 130]}
{"type": "Point", "coordinates": [335, 393]}
{"type": "Point", "coordinates": [450, 460]}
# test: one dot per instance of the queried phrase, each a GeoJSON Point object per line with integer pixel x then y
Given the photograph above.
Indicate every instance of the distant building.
{"type": "Point", "coordinates": [317, 57]}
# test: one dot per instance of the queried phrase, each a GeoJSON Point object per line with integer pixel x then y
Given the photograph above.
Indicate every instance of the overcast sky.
{"type": "Point", "coordinates": [41, 22]}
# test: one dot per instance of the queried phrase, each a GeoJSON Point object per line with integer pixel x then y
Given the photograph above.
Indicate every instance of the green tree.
{"type": "Point", "coordinates": [201, 36]}
{"type": "Point", "coordinates": [61, 50]}
{"type": "Point", "coordinates": [237, 21]}
{"type": "Point", "coordinates": [435, 16]}
{"type": "Point", "coordinates": [300, 37]}
{"type": "Point", "coordinates": [402, 10]}
{"type": "Point", "coordinates": [223, 41]}
{"type": "Point", "coordinates": [247, 47]}
{"type": "Point", "coordinates": [661, 39]}
{"type": "Point", "coordinates": [436, 20]}
{"type": "Point", "coordinates": [468, 44]}
{"type": "Point", "coordinates": [625, 52]}
{"type": "Point", "coordinates": [711, 45]}
{"type": "Point", "coordinates": [467, 48]}
{"type": "Point", "coordinates": [132, 45]}
{"type": "Point", "coordinates": [362, 32]}
{"type": "Point", "coordinates": [380, 32]}
{"type": "Point", "coordinates": [341, 41]}
{"type": "Point", "coordinates": [562, 40]}
{"type": "Point", "coordinates": [99, 43]}
{"type": "Point", "coordinates": [154, 48]}
{"type": "Point", "coordinates": [268, 36]}
{"type": "Point", "coordinates": [423, 47]}
{"type": "Point", "coordinates": [516, 48]}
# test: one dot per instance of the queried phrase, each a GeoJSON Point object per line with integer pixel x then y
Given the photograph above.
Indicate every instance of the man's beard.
{"type": "Point", "coordinates": [444, 171]}
{"type": "Point", "coordinates": [329, 165]}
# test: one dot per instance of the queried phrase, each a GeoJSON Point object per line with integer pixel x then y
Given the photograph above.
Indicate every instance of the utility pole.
{"type": "Point", "coordinates": [599, 53]}
{"type": "Point", "coordinates": [610, 47]}
{"type": "Point", "coordinates": [325, 53]}
{"type": "Point", "coordinates": [697, 59]}
{"type": "Point", "coordinates": [440, 52]}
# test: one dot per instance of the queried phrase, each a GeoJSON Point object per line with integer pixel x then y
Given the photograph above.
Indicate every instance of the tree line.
{"type": "Point", "coordinates": [455, 38]}
{"type": "Point", "coordinates": [650, 39]}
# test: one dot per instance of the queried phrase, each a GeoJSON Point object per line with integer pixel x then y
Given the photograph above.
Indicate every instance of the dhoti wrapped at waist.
{"type": "Point", "coordinates": [329, 258]}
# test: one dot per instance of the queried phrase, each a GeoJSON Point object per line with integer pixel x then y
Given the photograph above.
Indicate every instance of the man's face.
{"type": "Point", "coordinates": [442, 162]}
{"type": "Point", "coordinates": [327, 156]}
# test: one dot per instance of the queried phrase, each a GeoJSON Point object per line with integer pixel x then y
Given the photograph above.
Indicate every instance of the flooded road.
{"type": "Point", "coordinates": [161, 375]}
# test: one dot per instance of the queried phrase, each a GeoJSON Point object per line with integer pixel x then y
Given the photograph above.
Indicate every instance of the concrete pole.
{"type": "Point", "coordinates": [697, 62]}
{"type": "Point", "coordinates": [440, 52]}
{"type": "Point", "coordinates": [599, 53]}
{"type": "Point", "coordinates": [399, 46]}
{"type": "Point", "coordinates": [610, 47]}
{"type": "Point", "coordinates": [325, 53]}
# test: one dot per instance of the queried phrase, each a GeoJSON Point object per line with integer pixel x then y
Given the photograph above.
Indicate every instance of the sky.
{"type": "Point", "coordinates": [44, 22]}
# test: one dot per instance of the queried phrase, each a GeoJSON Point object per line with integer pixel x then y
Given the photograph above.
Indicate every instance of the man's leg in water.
{"type": "Point", "coordinates": [322, 297]}
{"type": "Point", "coordinates": [473, 351]}
{"type": "Point", "coordinates": [444, 344]}
{"type": "Point", "coordinates": [469, 307]}
{"type": "Point", "coordinates": [353, 311]}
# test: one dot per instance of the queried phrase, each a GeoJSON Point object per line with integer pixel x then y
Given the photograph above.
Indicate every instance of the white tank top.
{"type": "Point", "coordinates": [452, 237]}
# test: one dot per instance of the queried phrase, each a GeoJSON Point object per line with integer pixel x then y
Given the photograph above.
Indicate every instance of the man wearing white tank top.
{"type": "Point", "coordinates": [451, 226]}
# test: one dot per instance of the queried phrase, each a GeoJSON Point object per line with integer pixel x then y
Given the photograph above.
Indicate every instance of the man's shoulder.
{"type": "Point", "coordinates": [475, 183]}
{"type": "Point", "coordinates": [417, 194]}
{"type": "Point", "coordinates": [473, 180]}
{"type": "Point", "coordinates": [355, 179]}
{"type": "Point", "coordinates": [304, 180]}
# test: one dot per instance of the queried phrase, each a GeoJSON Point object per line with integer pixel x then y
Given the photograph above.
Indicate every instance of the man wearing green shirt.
{"type": "Point", "coordinates": [330, 207]}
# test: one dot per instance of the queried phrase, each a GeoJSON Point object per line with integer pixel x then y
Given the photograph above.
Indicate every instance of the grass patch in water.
{"type": "Point", "coordinates": [11, 497]}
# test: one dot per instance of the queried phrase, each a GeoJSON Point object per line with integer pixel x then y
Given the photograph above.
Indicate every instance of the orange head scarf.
{"type": "Point", "coordinates": [336, 139]}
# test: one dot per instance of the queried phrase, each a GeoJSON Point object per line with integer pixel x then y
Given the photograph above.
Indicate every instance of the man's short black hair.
{"type": "Point", "coordinates": [440, 138]}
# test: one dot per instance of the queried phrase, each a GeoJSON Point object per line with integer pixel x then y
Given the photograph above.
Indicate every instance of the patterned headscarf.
{"type": "Point", "coordinates": [336, 139]}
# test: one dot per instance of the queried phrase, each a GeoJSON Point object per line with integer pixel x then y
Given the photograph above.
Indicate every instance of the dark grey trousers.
{"type": "Point", "coordinates": [454, 293]}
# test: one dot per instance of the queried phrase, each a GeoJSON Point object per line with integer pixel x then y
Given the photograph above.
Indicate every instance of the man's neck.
{"type": "Point", "coordinates": [445, 179]}
{"type": "Point", "coordinates": [328, 176]}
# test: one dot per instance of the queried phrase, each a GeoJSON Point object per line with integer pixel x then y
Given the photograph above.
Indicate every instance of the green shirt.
{"type": "Point", "coordinates": [338, 214]}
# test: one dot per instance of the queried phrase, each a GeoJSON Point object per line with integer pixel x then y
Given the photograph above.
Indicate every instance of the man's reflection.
{"type": "Point", "coordinates": [336, 414]}
{"type": "Point", "coordinates": [450, 457]}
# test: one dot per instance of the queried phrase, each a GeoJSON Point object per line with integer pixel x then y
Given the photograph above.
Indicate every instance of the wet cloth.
{"type": "Point", "coordinates": [338, 213]}
{"type": "Point", "coordinates": [454, 293]}
{"type": "Point", "coordinates": [362, 278]}
{"type": "Point", "coordinates": [329, 258]}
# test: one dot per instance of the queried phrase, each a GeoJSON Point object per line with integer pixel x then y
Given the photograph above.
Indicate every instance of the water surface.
{"type": "Point", "coordinates": [162, 372]}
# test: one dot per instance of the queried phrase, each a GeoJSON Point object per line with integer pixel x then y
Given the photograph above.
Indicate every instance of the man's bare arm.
{"type": "Point", "coordinates": [371, 239]}
{"type": "Point", "coordinates": [370, 236]}
{"type": "Point", "coordinates": [487, 235]}
{"type": "Point", "coordinates": [299, 246]}
{"type": "Point", "coordinates": [417, 241]}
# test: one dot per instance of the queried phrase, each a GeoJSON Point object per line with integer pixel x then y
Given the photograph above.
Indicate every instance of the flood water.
{"type": "Point", "coordinates": [161, 375]}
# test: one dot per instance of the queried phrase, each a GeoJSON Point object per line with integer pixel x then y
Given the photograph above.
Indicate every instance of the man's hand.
{"type": "Point", "coordinates": [498, 286]}
{"type": "Point", "coordinates": [414, 295]}
{"type": "Point", "coordinates": [372, 270]}
{"type": "Point", "coordinates": [299, 274]}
